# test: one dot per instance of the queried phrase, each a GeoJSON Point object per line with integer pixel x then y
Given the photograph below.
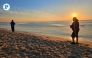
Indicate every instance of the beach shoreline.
{"type": "Point", "coordinates": [23, 44]}
{"type": "Point", "coordinates": [54, 38]}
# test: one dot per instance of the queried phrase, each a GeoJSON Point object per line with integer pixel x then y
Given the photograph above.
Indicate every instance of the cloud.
{"type": "Point", "coordinates": [27, 14]}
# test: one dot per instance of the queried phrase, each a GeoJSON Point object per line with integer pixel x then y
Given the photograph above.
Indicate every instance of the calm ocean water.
{"type": "Point", "coordinates": [53, 28]}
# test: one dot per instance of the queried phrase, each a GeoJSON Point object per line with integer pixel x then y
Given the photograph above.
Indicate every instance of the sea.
{"type": "Point", "coordinates": [53, 28]}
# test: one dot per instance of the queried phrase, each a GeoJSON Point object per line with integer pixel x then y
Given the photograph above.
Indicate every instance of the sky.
{"type": "Point", "coordinates": [45, 10]}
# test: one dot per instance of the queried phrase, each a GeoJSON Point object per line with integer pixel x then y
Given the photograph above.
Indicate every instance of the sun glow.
{"type": "Point", "coordinates": [74, 15]}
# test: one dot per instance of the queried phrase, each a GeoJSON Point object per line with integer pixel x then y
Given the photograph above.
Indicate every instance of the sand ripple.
{"type": "Point", "coordinates": [19, 45]}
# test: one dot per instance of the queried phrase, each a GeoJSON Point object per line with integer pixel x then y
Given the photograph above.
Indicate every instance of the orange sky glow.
{"type": "Point", "coordinates": [53, 12]}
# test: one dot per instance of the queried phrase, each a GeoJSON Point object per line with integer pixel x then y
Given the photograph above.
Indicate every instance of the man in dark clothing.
{"type": "Point", "coordinates": [75, 28]}
{"type": "Point", "coordinates": [12, 25]}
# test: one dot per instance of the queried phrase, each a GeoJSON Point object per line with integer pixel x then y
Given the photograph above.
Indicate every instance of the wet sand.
{"type": "Point", "coordinates": [26, 45]}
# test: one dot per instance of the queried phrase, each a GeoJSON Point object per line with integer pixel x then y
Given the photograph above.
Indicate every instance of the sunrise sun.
{"type": "Point", "coordinates": [74, 15]}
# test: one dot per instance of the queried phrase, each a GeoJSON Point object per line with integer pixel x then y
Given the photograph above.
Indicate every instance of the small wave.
{"type": "Point", "coordinates": [58, 25]}
{"type": "Point", "coordinates": [23, 23]}
{"type": "Point", "coordinates": [82, 25]}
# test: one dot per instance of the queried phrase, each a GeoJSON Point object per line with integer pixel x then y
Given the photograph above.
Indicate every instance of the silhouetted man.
{"type": "Point", "coordinates": [12, 25]}
{"type": "Point", "coordinates": [75, 29]}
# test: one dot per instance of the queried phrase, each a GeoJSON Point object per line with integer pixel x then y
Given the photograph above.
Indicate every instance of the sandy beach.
{"type": "Point", "coordinates": [27, 45]}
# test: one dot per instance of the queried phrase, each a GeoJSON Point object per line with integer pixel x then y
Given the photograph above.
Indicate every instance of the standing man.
{"type": "Point", "coordinates": [75, 29]}
{"type": "Point", "coordinates": [12, 25]}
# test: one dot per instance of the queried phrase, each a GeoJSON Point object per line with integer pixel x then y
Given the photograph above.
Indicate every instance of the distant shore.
{"type": "Point", "coordinates": [27, 45]}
